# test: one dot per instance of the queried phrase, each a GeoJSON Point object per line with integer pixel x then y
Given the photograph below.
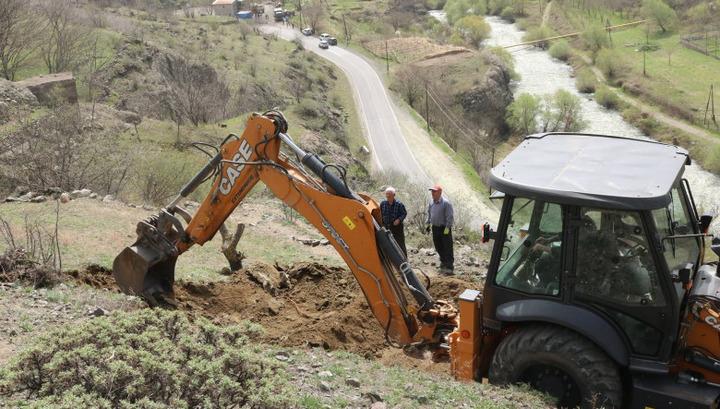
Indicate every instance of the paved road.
{"type": "Point", "coordinates": [389, 148]}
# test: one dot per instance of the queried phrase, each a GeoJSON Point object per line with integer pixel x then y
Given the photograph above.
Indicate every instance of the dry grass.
{"type": "Point", "coordinates": [411, 49]}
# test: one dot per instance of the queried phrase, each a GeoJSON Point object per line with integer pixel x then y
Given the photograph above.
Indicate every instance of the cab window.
{"type": "Point", "coordinates": [531, 260]}
{"type": "Point", "coordinates": [613, 260]}
{"type": "Point", "coordinates": [672, 220]}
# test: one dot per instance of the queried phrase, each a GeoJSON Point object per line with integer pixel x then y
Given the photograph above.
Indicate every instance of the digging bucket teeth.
{"type": "Point", "coordinates": [147, 267]}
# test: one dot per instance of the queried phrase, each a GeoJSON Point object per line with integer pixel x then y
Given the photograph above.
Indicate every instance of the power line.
{"type": "Point", "coordinates": [463, 131]}
{"type": "Point", "coordinates": [466, 132]}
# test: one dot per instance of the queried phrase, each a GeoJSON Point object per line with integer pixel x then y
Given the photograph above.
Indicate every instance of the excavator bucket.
{"type": "Point", "coordinates": [147, 267]}
{"type": "Point", "coordinates": [141, 270]}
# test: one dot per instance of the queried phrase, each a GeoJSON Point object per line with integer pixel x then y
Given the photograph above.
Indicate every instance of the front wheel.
{"type": "Point", "coordinates": [559, 362]}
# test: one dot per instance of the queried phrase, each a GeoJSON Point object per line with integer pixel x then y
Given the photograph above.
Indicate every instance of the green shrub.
{"type": "Point", "coordinates": [608, 61]}
{"type": "Point", "coordinates": [595, 38]}
{"type": "Point", "coordinates": [585, 81]}
{"type": "Point", "coordinates": [539, 33]}
{"type": "Point", "coordinates": [496, 7]}
{"type": "Point", "coordinates": [473, 29]}
{"type": "Point", "coordinates": [149, 359]}
{"type": "Point", "coordinates": [457, 9]}
{"type": "Point", "coordinates": [508, 14]}
{"type": "Point", "coordinates": [662, 15]}
{"type": "Point", "coordinates": [308, 108]}
{"type": "Point", "coordinates": [560, 50]}
{"type": "Point", "coordinates": [607, 97]}
{"type": "Point", "coordinates": [522, 113]}
{"type": "Point", "coordinates": [561, 112]}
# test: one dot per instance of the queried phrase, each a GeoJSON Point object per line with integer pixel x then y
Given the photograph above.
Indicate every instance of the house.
{"type": "Point", "coordinates": [226, 7]}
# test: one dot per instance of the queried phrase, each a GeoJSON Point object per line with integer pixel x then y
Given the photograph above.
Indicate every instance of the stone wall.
{"type": "Point", "coordinates": [52, 88]}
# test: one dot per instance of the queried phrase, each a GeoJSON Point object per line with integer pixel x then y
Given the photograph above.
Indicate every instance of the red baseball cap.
{"type": "Point", "coordinates": [436, 188]}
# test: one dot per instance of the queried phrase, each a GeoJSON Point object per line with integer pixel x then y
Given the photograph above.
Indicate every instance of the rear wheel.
{"type": "Point", "coordinates": [559, 362]}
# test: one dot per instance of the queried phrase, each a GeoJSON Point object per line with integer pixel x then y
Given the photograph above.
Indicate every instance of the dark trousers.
{"type": "Point", "coordinates": [444, 246]}
{"type": "Point", "coordinates": [398, 233]}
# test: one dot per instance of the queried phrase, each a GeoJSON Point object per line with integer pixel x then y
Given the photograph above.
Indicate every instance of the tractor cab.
{"type": "Point", "coordinates": [598, 253]}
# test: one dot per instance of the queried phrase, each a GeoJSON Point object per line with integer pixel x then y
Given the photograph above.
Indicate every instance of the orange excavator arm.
{"type": "Point", "coordinates": [349, 221]}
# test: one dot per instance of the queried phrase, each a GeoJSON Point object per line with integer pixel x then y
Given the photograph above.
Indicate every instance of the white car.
{"type": "Point", "coordinates": [324, 36]}
{"type": "Point", "coordinates": [324, 44]}
{"type": "Point", "coordinates": [307, 31]}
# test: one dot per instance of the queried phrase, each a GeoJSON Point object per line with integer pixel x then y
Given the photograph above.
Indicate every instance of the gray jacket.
{"type": "Point", "coordinates": [441, 213]}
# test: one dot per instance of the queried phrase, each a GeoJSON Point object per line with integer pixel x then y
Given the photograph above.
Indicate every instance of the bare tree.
{"type": "Point", "coordinates": [314, 13]}
{"type": "Point", "coordinates": [18, 36]}
{"type": "Point", "coordinates": [196, 92]}
{"type": "Point", "coordinates": [408, 82]}
{"type": "Point", "coordinates": [399, 19]}
{"type": "Point", "coordinates": [62, 150]}
{"type": "Point", "coordinates": [65, 42]}
{"type": "Point", "coordinates": [94, 80]}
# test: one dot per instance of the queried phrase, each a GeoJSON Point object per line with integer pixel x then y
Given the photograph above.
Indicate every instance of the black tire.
{"type": "Point", "coordinates": [561, 363]}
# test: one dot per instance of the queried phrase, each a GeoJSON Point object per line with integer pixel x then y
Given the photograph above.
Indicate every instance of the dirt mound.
{"type": "Point", "coordinates": [95, 276]}
{"type": "Point", "coordinates": [306, 304]}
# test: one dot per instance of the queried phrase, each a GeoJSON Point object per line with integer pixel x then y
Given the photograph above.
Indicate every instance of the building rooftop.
{"type": "Point", "coordinates": [591, 170]}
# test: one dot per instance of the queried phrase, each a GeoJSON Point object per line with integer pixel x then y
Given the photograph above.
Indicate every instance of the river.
{"type": "Point", "coordinates": [541, 74]}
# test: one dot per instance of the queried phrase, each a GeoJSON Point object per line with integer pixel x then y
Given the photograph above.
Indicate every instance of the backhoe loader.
{"type": "Point", "coordinates": [596, 292]}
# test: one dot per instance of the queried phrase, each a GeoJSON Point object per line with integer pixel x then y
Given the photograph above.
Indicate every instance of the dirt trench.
{"type": "Point", "coordinates": [306, 304]}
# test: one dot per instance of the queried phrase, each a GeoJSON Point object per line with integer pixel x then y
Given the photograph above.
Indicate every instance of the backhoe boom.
{"type": "Point", "coordinates": [350, 221]}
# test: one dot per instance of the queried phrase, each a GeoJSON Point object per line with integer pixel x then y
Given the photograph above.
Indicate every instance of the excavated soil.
{"type": "Point", "coordinates": [306, 304]}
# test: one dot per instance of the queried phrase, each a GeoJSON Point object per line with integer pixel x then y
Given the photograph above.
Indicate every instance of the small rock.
{"type": "Point", "coordinates": [97, 312]}
{"type": "Point", "coordinates": [325, 374]}
{"type": "Point", "coordinates": [64, 197]}
{"type": "Point", "coordinates": [11, 199]}
{"type": "Point", "coordinates": [282, 356]}
{"type": "Point", "coordinates": [324, 242]}
{"type": "Point", "coordinates": [429, 252]}
{"type": "Point", "coordinates": [93, 195]}
{"type": "Point", "coordinates": [325, 387]}
{"type": "Point", "coordinates": [39, 199]}
{"type": "Point", "coordinates": [108, 198]}
{"type": "Point", "coordinates": [354, 382]}
{"type": "Point", "coordinates": [75, 194]}
{"type": "Point", "coordinates": [273, 307]}
{"type": "Point", "coordinates": [147, 207]}
{"type": "Point", "coordinates": [372, 397]}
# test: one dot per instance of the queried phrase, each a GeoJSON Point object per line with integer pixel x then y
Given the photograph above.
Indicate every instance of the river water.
{"type": "Point", "coordinates": [541, 74]}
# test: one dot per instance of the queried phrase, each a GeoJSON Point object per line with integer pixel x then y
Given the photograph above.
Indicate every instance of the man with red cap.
{"type": "Point", "coordinates": [440, 221]}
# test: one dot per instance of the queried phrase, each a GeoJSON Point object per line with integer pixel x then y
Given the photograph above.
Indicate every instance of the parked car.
{"type": "Point", "coordinates": [332, 41]}
{"type": "Point", "coordinates": [324, 44]}
{"type": "Point", "coordinates": [324, 36]}
{"type": "Point", "coordinates": [307, 31]}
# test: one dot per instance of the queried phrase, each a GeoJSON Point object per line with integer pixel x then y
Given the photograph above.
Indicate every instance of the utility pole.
{"type": "Point", "coordinates": [427, 108]}
{"type": "Point", "coordinates": [710, 107]}
{"type": "Point", "coordinates": [347, 37]}
{"type": "Point", "coordinates": [609, 31]}
{"type": "Point", "coordinates": [387, 58]}
{"type": "Point", "coordinates": [492, 164]}
{"type": "Point", "coordinates": [645, 47]}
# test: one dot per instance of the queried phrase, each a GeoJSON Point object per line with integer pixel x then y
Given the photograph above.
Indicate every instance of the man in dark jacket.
{"type": "Point", "coordinates": [440, 221]}
{"type": "Point", "coordinates": [393, 216]}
